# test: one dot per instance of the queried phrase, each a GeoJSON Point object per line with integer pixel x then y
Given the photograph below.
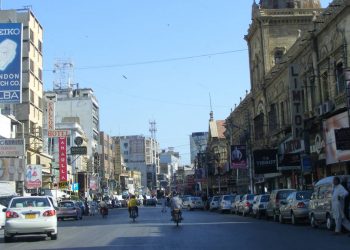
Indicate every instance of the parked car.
{"type": "Point", "coordinates": [4, 202]}
{"type": "Point", "coordinates": [273, 206]}
{"type": "Point", "coordinates": [235, 203]}
{"type": "Point", "coordinates": [295, 207]}
{"type": "Point", "coordinates": [192, 202]}
{"type": "Point", "coordinates": [226, 202]}
{"type": "Point", "coordinates": [259, 205]}
{"type": "Point", "coordinates": [320, 206]}
{"type": "Point", "coordinates": [214, 203]}
{"type": "Point", "coordinates": [82, 206]}
{"type": "Point", "coordinates": [151, 201]}
{"type": "Point", "coordinates": [245, 206]}
{"type": "Point", "coordinates": [69, 209]}
{"type": "Point", "coordinates": [30, 215]}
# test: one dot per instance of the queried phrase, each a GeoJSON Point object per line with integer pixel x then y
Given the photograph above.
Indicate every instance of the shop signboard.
{"type": "Point", "coordinates": [265, 161]}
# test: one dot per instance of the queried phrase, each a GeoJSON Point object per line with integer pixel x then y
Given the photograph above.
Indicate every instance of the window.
{"type": "Point", "coordinates": [40, 74]}
{"type": "Point", "coordinates": [37, 159]}
{"type": "Point", "coordinates": [40, 46]}
{"type": "Point", "coordinates": [272, 118]}
{"type": "Point", "coordinates": [31, 65]}
{"type": "Point", "coordinates": [340, 79]}
{"type": "Point", "coordinates": [31, 35]}
{"type": "Point", "coordinates": [324, 82]}
{"type": "Point", "coordinates": [259, 126]}
{"type": "Point", "coordinates": [32, 96]}
{"type": "Point", "coordinates": [278, 56]}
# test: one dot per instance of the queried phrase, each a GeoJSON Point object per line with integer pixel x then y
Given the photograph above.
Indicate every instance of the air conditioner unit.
{"type": "Point", "coordinates": [327, 107]}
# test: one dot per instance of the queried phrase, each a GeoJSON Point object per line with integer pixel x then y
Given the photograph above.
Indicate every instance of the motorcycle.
{"type": "Point", "coordinates": [177, 218]}
{"type": "Point", "coordinates": [104, 212]}
{"type": "Point", "coordinates": [133, 214]}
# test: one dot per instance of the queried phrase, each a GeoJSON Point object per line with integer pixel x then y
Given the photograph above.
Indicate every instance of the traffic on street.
{"type": "Point", "coordinates": [200, 229]}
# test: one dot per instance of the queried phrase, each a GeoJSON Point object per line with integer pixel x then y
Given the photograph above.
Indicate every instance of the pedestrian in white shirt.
{"type": "Point", "coordinates": [339, 193]}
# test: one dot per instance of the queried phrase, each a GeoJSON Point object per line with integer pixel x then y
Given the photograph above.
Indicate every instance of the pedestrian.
{"type": "Point", "coordinates": [338, 196]}
{"type": "Point", "coordinates": [163, 200]}
{"type": "Point", "coordinates": [86, 207]}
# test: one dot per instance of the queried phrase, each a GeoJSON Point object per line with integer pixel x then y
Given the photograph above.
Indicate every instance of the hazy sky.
{"type": "Point", "coordinates": [150, 60]}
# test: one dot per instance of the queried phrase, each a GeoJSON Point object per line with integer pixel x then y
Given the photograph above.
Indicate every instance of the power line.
{"type": "Point", "coordinates": [158, 61]}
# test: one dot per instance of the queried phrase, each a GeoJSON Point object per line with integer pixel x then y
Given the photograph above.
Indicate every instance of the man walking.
{"type": "Point", "coordinates": [338, 196]}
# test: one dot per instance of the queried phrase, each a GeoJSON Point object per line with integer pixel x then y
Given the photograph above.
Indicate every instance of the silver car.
{"type": "Point", "coordinates": [295, 207]}
{"type": "Point", "coordinates": [235, 203]}
{"type": "Point", "coordinates": [214, 203]}
{"type": "Point", "coordinates": [245, 206]}
{"type": "Point", "coordinates": [259, 205]}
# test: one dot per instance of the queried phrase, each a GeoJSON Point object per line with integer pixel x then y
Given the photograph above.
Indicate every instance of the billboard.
{"type": "Point", "coordinates": [265, 161]}
{"type": "Point", "coordinates": [11, 169]}
{"type": "Point", "coordinates": [337, 122]}
{"type": "Point", "coordinates": [11, 62]}
{"type": "Point", "coordinates": [33, 178]}
{"type": "Point", "coordinates": [11, 147]}
{"type": "Point", "coordinates": [239, 156]}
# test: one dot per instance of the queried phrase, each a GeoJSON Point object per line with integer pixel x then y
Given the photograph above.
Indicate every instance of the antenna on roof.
{"type": "Point", "coordinates": [211, 109]}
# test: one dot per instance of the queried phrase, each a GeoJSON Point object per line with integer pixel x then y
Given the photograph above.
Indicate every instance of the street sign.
{"type": "Point", "coordinates": [58, 133]}
{"type": "Point", "coordinates": [81, 150]}
{"type": "Point", "coordinates": [63, 184]}
{"type": "Point", "coordinates": [75, 187]}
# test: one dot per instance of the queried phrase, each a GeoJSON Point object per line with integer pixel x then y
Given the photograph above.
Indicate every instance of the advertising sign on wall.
{"type": "Point", "coordinates": [10, 63]}
{"type": "Point", "coordinates": [11, 169]}
{"type": "Point", "coordinates": [93, 184]}
{"type": "Point", "coordinates": [11, 147]}
{"type": "Point", "coordinates": [239, 156]}
{"type": "Point", "coordinates": [337, 122]}
{"type": "Point", "coordinates": [265, 161]}
{"type": "Point", "coordinates": [33, 178]}
{"type": "Point", "coordinates": [296, 93]}
{"type": "Point", "coordinates": [62, 151]}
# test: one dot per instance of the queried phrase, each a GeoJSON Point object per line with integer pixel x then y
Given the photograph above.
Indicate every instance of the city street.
{"type": "Point", "coordinates": [199, 230]}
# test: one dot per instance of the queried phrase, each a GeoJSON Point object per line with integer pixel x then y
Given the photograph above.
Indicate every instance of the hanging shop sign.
{"type": "Point", "coordinates": [239, 156]}
{"type": "Point", "coordinates": [62, 151]}
{"type": "Point", "coordinates": [265, 161]}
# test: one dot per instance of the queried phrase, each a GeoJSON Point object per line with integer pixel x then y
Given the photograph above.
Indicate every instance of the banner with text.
{"type": "Point", "coordinates": [10, 62]}
{"type": "Point", "coordinates": [62, 144]}
{"type": "Point", "coordinates": [265, 161]}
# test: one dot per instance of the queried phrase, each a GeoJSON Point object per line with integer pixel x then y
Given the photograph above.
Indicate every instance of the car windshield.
{"type": "Point", "coordinates": [284, 194]}
{"type": "Point", "coordinates": [30, 202]}
{"type": "Point", "coordinates": [196, 198]}
{"type": "Point", "coordinates": [304, 195]}
{"type": "Point", "coordinates": [216, 198]}
{"type": "Point", "coordinates": [228, 198]}
{"type": "Point", "coordinates": [66, 204]}
{"type": "Point", "coordinates": [264, 198]}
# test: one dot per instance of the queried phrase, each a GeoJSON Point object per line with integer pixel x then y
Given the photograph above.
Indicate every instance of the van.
{"type": "Point", "coordinates": [273, 206]}
{"type": "Point", "coordinates": [320, 206]}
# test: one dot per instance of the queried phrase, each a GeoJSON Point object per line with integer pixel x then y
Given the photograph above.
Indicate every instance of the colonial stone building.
{"type": "Point", "coordinates": [298, 102]}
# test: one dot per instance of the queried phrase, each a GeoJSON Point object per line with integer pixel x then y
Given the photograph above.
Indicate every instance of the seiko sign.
{"type": "Point", "coordinates": [318, 145]}
{"type": "Point", "coordinates": [10, 32]}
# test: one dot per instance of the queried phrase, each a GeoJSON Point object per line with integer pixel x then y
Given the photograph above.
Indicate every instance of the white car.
{"type": "Point", "coordinates": [30, 215]}
{"type": "Point", "coordinates": [192, 203]}
{"type": "Point", "coordinates": [4, 202]}
{"type": "Point", "coordinates": [226, 202]}
{"type": "Point", "coordinates": [214, 203]}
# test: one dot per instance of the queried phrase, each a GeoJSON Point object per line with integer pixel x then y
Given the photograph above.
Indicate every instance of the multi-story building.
{"type": "Point", "coordinates": [299, 107]}
{"type": "Point", "coordinates": [142, 154]}
{"type": "Point", "coordinates": [169, 164]}
{"type": "Point", "coordinates": [198, 143]}
{"type": "Point", "coordinates": [107, 160]}
{"type": "Point", "coordinates": [30, 112]}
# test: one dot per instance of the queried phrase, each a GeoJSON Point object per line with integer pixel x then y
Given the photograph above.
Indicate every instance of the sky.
{"type": "Point", "coordinates": [168, 61]}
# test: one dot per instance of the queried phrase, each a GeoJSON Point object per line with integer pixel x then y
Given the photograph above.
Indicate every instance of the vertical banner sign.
{"type": "Point", "coordinates": [62, 144]}
{"type": "Point", "coordinates": [50, 115]}
{"type": "Point", "coordinates": [10, 62]}
{"type": "Point", "coordinates": [296, 102]}
{"type": "Point", "coordinates": [33, 178]}
{"type": "Point", "coordinates": [239, 156]}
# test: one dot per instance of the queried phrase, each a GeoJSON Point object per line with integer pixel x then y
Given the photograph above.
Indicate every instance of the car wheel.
{"type": "Point", "coordinates": [243, 213]}
{"type": "Point", "coordinates": [8, 238]}
{"type": "Point", "coordinates": [53, 236]}
{"type": "Point", "coordinates": [293, 219]}
{"type": "Point", "coordinates": [258, 215]}
{"type": "Point", "coordinates": [313, 222]}
{"type": "Point", "coordinates": [280, 218]}
{"type": "Point", "coordinates": [275, 216]}
{"type": "Point", "coordinates": [329, 223]}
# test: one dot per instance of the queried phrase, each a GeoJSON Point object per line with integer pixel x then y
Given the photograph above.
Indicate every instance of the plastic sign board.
{"type": "Point", "coordinates": [62, 151]}
{"type": "Point", "coordinates": [33, 178]}
{"type": "Point", "coordinates": [58, 133]}
{"type": "Point", "coordinates": [11, 62]}
{"type": "Point", "coordinates": [81, 150]}
{"type": "Point", "coordinates": [11, 147]}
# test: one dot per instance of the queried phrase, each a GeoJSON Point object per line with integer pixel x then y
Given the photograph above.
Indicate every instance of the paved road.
{"type": "Point", "coordinates": [199, 230]}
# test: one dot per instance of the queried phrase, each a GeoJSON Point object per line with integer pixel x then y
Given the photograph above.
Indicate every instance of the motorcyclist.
{"type": "Point", "coordinates": [133, 204]}
{"type": "Point", "coordinates": [176, 203]}
{"type": "Point", "coordinates": [103, 207]}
